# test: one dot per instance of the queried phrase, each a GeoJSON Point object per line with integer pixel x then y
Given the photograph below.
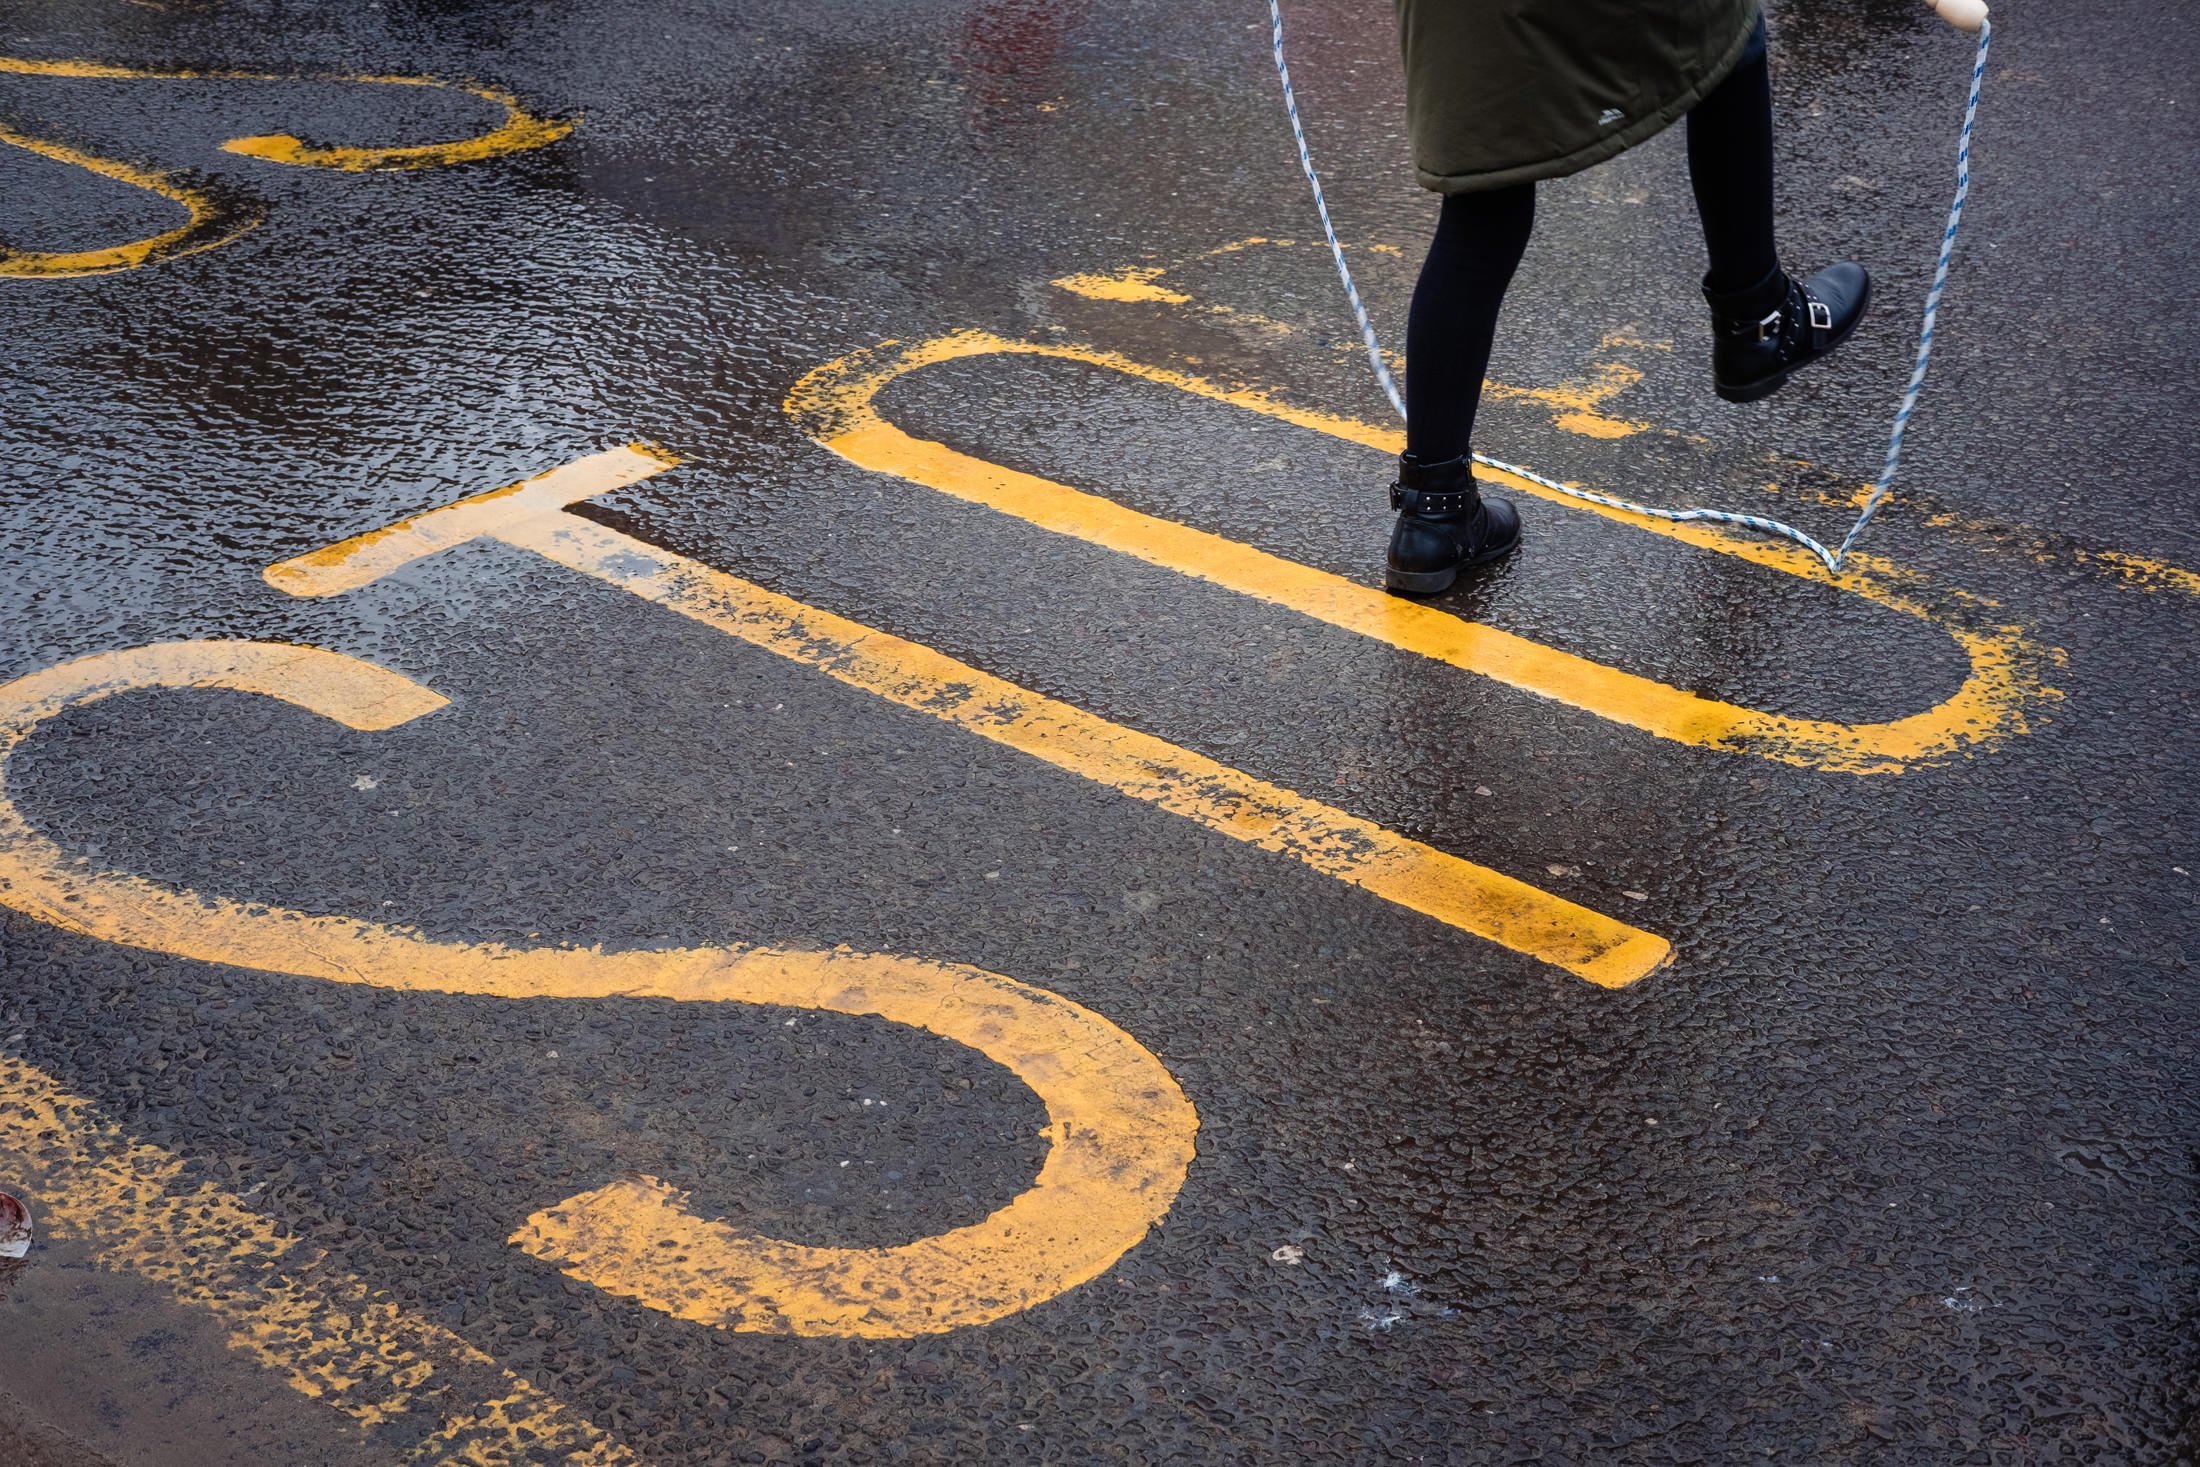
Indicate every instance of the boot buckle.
{"type": "Point", "coordinates": [1821, 316]}
{"type": "Point", "coordinates": [1769, 327]}
{"type": "Point", "coordinates": [1428, 502]}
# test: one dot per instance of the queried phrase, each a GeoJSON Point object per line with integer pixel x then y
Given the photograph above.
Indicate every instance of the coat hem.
{"type": "Point", "coordinates": [1596, 150]}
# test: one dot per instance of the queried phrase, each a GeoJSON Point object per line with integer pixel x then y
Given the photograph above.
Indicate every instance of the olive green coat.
{"type": "Point", "coordinates": [1504, 91]}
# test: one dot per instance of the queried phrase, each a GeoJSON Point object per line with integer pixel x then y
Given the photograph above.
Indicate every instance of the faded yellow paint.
{"type": "Point", "coordinates": [528, 516]}
{"type": "Point", "coordinates": [519, 132]}
{"type": "Point", "coordinates": [835, 405]}
{"type": "Point", "coordinates": [138, 1209]}
{"type": "Point", "coordinates": [1251, 242]}
{"type": "Point", "coordinates": [1986, 536]}
{"type": "Point", "coordinates": [1120, 1129]}
{"type": "Point", "coordinates": [210, 222]}
{"type": "Point", "coordinates": [1124, 285]}
{"type": "Point", "coordinates": [104, 71]}
{"type": "Point", "coordinates": [2141, 573]}
{"type": "Point", "coordinates": [1575, 401]}
{"type": "Point", "coordinates": [1596, 425]}
{"type": "Point", "coordinates": [207, 223]}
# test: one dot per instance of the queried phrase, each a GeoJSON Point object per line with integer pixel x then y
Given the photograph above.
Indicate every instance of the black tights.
{"type": "Point", "coordinates": [1480, 238]}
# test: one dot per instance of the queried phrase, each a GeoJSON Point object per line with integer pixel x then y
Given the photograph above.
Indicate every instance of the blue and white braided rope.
{"type": "Point", "coordinates": [1885, 483]}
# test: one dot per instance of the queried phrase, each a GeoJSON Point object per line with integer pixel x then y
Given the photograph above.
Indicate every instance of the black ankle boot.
{"type": "Point", "coordinates": [1761, 334]}
{"type": "Point", "coordinates": [1444, 525]}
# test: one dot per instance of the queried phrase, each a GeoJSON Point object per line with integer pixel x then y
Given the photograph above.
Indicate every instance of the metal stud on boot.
{"type": "Point", "coordinates": [1762, 334]}
{"type": "Point", "coordinates": [1445, 524]}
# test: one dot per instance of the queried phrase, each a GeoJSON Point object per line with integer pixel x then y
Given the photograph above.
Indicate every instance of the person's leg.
{"type": "Point", "coordinates": [1730, 166]}
{"type": "Point", "coordinates": [1480, 238]}
{"type": "Point", "coordinates": [1764, 324]}
{"type": "Point", "coordinates": [1444, 522]}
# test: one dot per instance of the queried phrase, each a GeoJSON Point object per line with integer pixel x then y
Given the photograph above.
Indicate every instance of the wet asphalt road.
{"type": "Point", "coordinates": [1894, 1162]}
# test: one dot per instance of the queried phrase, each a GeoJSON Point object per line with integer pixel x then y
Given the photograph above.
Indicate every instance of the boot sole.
{"type": "Point", "coordinates": [1428, 583]}
{"type": "Point", "coordinates": [1753, 391]}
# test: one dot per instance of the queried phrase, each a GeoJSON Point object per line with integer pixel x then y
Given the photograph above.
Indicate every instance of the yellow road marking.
{"type": "Point", "coordinates": [1574, 402]}
{"type": "Point", "coordinates": [530, 516]}
{"type": "Point", "coordinates": [519, 131]}
{"type": "Point", "coordinates": [1123, 285]}
{"type": "Point", "coordinates": [1986, 535]}
{"type": "Point", "coordinates": [1573, 405]}
{"type": "Point", "coordinates": [836, 405]}
{"type": "Point", "coordinates": [1119, 1128]}
{"type": "Point", "coordinates": [208, 222]}
{"type": "Point", "coordinates": [330, 1337]}
{"type": "Point", "coordinates": [2144, 574]}
{"type": "Point", "coordinates": [211, 224]}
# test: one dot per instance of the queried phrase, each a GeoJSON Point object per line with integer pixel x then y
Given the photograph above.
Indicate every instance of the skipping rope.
{"type": "Point", "coordinates": [1880, 488]}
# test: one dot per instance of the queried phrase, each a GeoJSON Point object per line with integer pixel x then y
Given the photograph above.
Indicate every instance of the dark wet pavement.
{"type": "Point", "coordinates": [1894, 1162]}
